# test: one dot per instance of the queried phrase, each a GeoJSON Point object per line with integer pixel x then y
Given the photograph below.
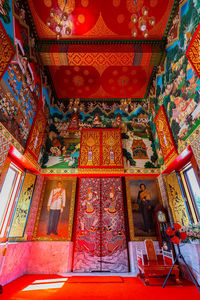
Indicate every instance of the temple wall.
{"type": "Point", "coordinates": [48, 257]}
{"type": "Point", "coordinates": [35, 258]}
{"type": "Point", "coordinates": [14, 263]}
{"type": "Point", "coordinates": [177, 82]}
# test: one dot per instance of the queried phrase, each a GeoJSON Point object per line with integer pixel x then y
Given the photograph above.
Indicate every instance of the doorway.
{"type": "Point", "coordinates": [100, 240]}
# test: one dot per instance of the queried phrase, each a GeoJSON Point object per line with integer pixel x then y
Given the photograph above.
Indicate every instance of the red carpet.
{"type": "Point", "coordinates": [95, 279]}
{"type": "Point", "coordinates": [130, 288]}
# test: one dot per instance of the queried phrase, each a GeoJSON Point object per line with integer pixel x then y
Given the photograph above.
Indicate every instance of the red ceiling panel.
{"type": "Point", "coordinates": [88, 82]}
{"type": "Point", "coordinates": [100, 18]}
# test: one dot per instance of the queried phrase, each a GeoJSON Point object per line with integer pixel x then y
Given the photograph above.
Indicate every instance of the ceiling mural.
{"type": "Point", "coordinates": [112, 19]}
{"type": "Point", "coordinates": [89, 82]}
{"type": "Point", "coordinates": [101, 64]}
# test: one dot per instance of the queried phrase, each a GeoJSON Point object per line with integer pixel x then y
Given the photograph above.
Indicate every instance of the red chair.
{"type": "Point", "coordinates": [152, 264]}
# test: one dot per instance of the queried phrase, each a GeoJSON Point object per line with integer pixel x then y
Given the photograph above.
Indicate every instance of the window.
{"type": "Point", "coordinates": [193, 190]}
{"type": "Point", "coordinates": [8, 194]}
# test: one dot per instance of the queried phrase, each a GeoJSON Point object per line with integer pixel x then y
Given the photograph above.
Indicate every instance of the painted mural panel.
{"type": "Point", "coordinates": [7, 50]}
{"type": "Point", "coordinates": [101, 148]}
{"type": "Point", "coordinates": [192, 52]}
{"type": "Point", "coordinates": [178, 84]}
{"type": "Point", "coordinates": [100, 229]}
{"type": "Point", "coordinates": [158, 157]}
{"type": "Point", "coordinates": [90, 148]}
{"type": "Point", "coordinates": [20, 88]}
{"type": "Point", "coordinates": [63, 142]}
{"type": "Point", "coordinates": [6, 13]}
{"type": "Point", "coordinates": [112, 148]}
{"type": "Point", "coordinates": [56, 210]}
{"type": "Point", "coordinates": [166, 140]}
{"type": "Point", "coordinates": [4, 148]}
{"type": "Point", "coordinates": [36, 136]}
{"type": "Point", "coordinates": [143, 196]}
{"type": "Point", "coordinates": [21, 212]}
{"type": "Point", "coordinates": [176, 201]}
{"type": "Point", "coordinates": [196, 149]}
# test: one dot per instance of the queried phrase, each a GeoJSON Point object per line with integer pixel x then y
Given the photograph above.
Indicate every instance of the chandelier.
{"type": "Point", "coordinates": [141, 21]}
{"type": "Point", "coordinates": [59, 22]}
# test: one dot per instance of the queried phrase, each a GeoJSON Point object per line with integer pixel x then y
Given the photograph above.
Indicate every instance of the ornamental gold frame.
{"type": "Point", "coordinates": [71, 211]}
{"type": "Point", "coordinates": [129, 207]}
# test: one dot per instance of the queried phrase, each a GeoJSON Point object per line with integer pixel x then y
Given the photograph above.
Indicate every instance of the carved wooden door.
{"type": "Point", "coordinates": [100, 243]}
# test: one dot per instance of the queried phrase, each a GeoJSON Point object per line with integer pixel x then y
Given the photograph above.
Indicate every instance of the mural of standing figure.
{"type": "Point", "coordinates": [55, 206]}
{"type": "Point", "coordinates": [145, 204]}
{"type": "Point", "coordinates": [112, 218]}
{"type": "Point", "coordinates": [90, 219]}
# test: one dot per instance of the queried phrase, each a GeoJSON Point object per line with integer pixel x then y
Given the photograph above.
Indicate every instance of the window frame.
{"type": "Point", "coordinates": [189, 192]}
{"type": "Point", "coordinates": [12, 199]}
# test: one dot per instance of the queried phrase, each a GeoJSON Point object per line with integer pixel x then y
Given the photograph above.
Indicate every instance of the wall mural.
{"type": "Point", "coordinates": [100, 229]}
{"type": "Point", "coordinates": [178, 84]}
{"type": "Point", "coordinates": [6, 12]}
{"type": "Point", "coordinates": [7, 50]}
{"type": "Point", "coordinates": [36, 135]}
{"type": "Point", "coordinates": [166, 140]}
{"type": "Point", "coordinates": [63, 141]}
{"type": "Point", "coordinates": [192, 52]}
{"type": "Point", "coordinates": [20, 87]}
{"type": "Point", "coordinates": [158, 157]}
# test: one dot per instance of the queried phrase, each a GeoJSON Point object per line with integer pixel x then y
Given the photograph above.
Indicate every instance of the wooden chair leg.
{"type": "Point", "coordinates": [177, 278]}
{"type": "Point", "coordinates": [146, 280]}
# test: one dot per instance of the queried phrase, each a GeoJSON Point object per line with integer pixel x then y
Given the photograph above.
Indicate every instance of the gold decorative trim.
{"type": "Point", "coordinates": [141, 171]}
{"type": "Point", "coordinates": [32, 161]}
{"type": "Point", "coordinates": [59, 171]}
{"type": "Point", "coordinates": [101, 171]}
{"type": "Point", "coordinates": [138, 171]}
{"type": "Point", "coordinates": [10, 138]}
{"type": "Point", "coordinates": [188, 197]}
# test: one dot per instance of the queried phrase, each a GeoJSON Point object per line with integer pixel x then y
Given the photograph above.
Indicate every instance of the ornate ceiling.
{"type": "Point", "coordinates": [100, 19]}
{"type": "Point", "coordinates": [90, 82]}
{"type": "Point", "coordinates": [100, 58]}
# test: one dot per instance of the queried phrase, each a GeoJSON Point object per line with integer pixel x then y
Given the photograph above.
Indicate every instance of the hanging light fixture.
{"type": "Point", "coordinates": [76, 99]}
{"type": "Point", "coordinates": [125, 102]}
{"type": "Point", "coordinates": [141, 21]}
{"type": "Point", "coordinates": [59, 22]}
